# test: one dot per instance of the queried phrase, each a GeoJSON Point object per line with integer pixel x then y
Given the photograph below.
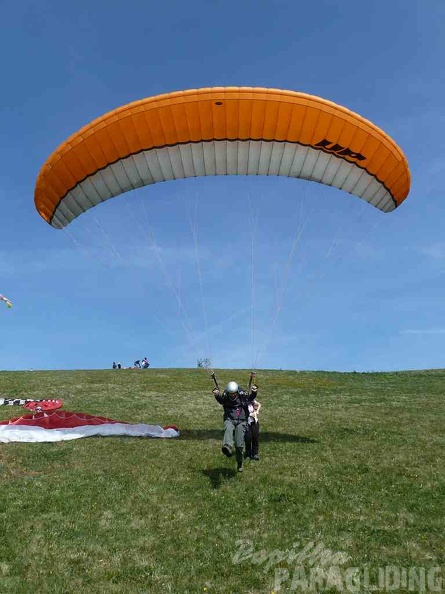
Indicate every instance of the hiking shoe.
{"type": "Point", "coordinates": [227, 451]}
{"type": "Point", "coordinates": [240, 467]}
{"type": "Point", "coordinates": [256, 458]}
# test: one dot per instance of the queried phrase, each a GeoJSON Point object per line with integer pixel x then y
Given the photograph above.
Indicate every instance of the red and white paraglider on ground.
{"type": "Point", "coordinates": [61, 425]}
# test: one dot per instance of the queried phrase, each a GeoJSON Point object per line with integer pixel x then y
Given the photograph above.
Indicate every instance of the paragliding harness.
{"type": "Point", "coordinates": [252, 375]}
{"type": "Point", "coordinates": [248, 393]}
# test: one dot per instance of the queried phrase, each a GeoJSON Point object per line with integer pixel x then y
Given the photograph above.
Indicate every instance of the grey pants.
{"type": "Point", "coordinates": [235, 429]}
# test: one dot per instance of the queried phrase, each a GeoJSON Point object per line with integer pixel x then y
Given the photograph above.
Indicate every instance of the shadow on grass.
{"type": "Point", "coordinates": [218, 475]}
{"type": "Point", "coordinates": [198, 434]}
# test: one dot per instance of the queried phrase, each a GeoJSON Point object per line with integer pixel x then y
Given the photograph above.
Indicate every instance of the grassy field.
{"type": "Point", "coordinates": [351, 478]}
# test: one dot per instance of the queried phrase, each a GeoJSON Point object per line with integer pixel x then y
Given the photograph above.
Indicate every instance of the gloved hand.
{"type": "Point", "coordinates": [216, 392]}
{"type": "Point", "coordinates": [254, 388]}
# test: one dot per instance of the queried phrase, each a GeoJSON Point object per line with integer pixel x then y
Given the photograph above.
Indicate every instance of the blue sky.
{"type": "Point", "coordinates": [251, 272]}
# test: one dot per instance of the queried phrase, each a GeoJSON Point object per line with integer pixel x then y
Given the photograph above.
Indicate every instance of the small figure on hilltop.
{"type": "Point", "coordinates": [145, 364]}
{"type": "Point", "coordinates": [235, 401]}
{"type": "Point", "coordinates": [137, 364]}
{"type": "Point", "coordinates": [114, 365]}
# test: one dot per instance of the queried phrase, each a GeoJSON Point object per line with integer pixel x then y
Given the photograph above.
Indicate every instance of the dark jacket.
{"type": "Point", "coordinates": [235, 408]}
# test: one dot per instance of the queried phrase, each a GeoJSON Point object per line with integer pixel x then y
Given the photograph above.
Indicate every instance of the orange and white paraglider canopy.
{"type": "Point", "coordinates": [221, 131]}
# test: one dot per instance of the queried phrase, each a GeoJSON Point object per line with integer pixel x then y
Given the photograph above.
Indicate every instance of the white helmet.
{"type": "Point", "coordinates": [232, 387]}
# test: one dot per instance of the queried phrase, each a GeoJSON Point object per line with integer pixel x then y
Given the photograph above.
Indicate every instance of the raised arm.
{"type": "Point", "coordinates": [218, 396]}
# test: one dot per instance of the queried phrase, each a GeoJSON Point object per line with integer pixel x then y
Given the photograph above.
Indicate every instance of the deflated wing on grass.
{"type": "Point", "coordinates": [66, 425]}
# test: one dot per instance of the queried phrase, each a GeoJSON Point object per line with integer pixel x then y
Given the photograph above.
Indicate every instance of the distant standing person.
{"type": "Point", "coordinates": [114, 365]}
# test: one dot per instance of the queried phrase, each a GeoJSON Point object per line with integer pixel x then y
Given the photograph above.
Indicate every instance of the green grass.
{"type": "Point", "coordinates": [351, 462]}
